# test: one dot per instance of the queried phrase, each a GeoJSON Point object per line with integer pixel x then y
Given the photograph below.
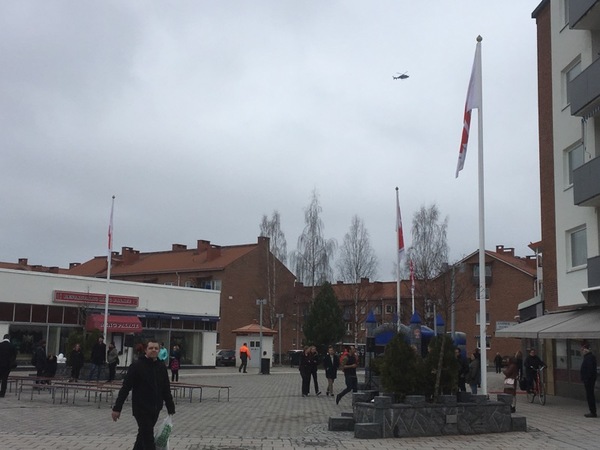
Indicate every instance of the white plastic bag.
{"type": "Point", "coordinates": [162, 434]}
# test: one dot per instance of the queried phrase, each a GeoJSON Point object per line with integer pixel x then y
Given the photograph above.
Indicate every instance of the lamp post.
{"type": "Point", "coordinates": [279, 317]}
{"type": "Point", "coordinates": [260, 302]}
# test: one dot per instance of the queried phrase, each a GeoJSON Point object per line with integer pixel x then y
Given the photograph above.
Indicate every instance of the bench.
{"type": "Point", "coordinates": [180, 388]}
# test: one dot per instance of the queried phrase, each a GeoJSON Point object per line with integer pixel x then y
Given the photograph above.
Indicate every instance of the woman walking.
{"type": "Point", "coordinates": [511, 374]}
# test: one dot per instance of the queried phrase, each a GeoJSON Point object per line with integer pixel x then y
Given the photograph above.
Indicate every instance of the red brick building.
{"type": "Point", "coordinates": [243, 274]}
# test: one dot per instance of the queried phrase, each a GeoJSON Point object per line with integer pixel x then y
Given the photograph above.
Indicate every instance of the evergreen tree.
{"type": "Point", "coordinates": [324, 324]}
{"type": "Point", "coordinates": [401, 369]}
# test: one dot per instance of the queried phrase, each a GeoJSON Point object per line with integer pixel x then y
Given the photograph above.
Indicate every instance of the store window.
{"type": "Point", "coordinates": [7, 311]}
{"type": "Point", "coordinates": [22, 313]}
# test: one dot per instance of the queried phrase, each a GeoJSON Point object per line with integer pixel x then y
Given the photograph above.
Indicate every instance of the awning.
{"type": "Point", "coordinates": [585, 325]}
{"type": "Point", "coordinates": [532, 328]}
{"type": "Point", "coordinates": [118, 324]}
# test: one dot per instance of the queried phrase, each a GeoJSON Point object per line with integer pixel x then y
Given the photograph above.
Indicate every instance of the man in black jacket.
{"type": "Point", "coordinates": [588, 376]}
{"type": "Point", "coordinates": [8, 356]}
{"type": "Point", "coordinates": [149, 380]}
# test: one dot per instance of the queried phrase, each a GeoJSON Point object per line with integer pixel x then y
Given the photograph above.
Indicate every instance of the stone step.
{"type": "Point", "coordinates": [368, 431]}
{"type": "Point", "coordinates": [341, 424]}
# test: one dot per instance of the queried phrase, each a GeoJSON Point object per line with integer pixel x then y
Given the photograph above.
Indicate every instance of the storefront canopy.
{"type": "Point", "coordinates": [579, 324]}
{"type": "Point", "coordinates": [115, 324]}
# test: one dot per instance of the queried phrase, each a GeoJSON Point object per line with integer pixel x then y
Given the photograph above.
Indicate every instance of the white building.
{"type": "Point", "coordinates": [38, 306]}
{"type": "Point", "coordinates": [568, 37]}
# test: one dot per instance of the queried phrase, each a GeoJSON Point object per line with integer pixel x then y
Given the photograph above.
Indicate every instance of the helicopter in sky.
{"type": "Point", "coordinates": [400, 76]}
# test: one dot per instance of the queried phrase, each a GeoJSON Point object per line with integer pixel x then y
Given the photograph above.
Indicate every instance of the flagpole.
{"type": "Point", "coordinates": [400, 247]}
{"type": "Point", "coordinates": [108, 264]}
{"type": "Point", "coordinates": [482, 296]}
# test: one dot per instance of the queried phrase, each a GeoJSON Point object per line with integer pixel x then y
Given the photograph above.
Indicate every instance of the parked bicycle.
{"type": "Point", "coordinates": [539, 387]}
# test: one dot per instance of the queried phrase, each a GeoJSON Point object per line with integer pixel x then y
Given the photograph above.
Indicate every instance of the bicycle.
{"type": "Point", "coordinates": [538, 388]}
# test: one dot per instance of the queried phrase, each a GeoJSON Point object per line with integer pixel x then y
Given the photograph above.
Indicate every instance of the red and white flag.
{"type": "Point", "coordinates": [399, 228]}
{"type": "Point", "coordinates": [473, 102]}
{"type": "Point", "coordinates": [110, 226]}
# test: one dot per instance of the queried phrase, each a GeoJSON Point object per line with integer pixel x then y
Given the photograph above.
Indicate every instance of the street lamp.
{"type": "Point", "coordinates": [279, 317]}
{"type": "Point", "coordinates": [260, 302]}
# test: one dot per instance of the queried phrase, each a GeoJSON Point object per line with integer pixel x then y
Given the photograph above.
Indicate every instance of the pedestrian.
{"type": "Point", "coordinates": [244, 357]}
{"type": "Point", "coordinates": [8, 361]}
{"type": "Point", "coordinates": [148, 380]}
{"type": "Point", "coordinates": [331, 363]}
{"type": "Point", "coordinates": [98, 358]}
{"type": "Point", "coordinates": [473, 377]}
{"type": "Point", "coordinates": [163, 354]}
{"type": "Point", "coordinates": [498, 362]}
{"type": "Point", "coordinates": [305, 371]}
{"type": "Point", "coordinates": [588, 376]}
{"type": "Point", "coordinates": [313, 361]}
{"type": "Point", "coordinates": [463, 370]}
{"type": "Point", "coordinates": [113, 360]}
{"type": "Point", "coordinates": [39, 360]}
{"type": "Point", "coordinates": [50, 368]}
{"type": "Point", "coordinates": [511, 374]}
{"type": "Point", "coordinates": [519, 362]}
{"type": "Point", "coordinates": [76, 360]}
{"type": "Point", "coordinates": [175, 363]}
{"type": "Point", "coordinates": [349, 367]}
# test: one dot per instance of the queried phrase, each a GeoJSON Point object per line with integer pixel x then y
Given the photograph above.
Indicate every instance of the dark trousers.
{"type": "Point", "coordinates": [461, 384]}
{"type": "Point", "coordinates": [112, 368]}
{"type": "Point", "coordinates": [316, 382]}
{"type": "Point", "coordinates": [243, 364]}
{"type": "Point", "coordinates": [95, 371]}
{"type": "Point", "coordinates": [174, 375]}
{"type": "Point", "coordinates": [145, 436]}
{"type": "Point", "coordinates": [590, 396]}
{"type": "Point", "coordinates": [4, 371]}
{"type": "Point", "coordinates": [351, 385]}
{"type": "Point", "coordinates": [75, 371]}
{"type": "Point", "coordinates": [305, 383]}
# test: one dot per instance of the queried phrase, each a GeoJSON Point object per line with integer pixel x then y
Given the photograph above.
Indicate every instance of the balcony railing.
{"type": "Point", "coordinates": [584, 90]}
{"type": "Point", "coordinates": [586, 184]}
{"type": "Point", "coordinates": [584, 14]}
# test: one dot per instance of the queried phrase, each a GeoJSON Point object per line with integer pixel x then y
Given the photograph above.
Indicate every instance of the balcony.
{"type": "Point", "coordinates": [586, 184]}
{"type": "Point", "coordinates": [592, 293]}
{"type": "Point", "coordinates": [584, 90]}
{"type": "Point", "coordinates": [584, 14]}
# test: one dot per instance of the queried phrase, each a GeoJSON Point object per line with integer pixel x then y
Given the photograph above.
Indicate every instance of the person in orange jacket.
{"type": "Point", "coordinates": [244, 356]}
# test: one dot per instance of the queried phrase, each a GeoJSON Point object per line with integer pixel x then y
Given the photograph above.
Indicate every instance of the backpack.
{"type": "Point", "coordinates": [175, 364]}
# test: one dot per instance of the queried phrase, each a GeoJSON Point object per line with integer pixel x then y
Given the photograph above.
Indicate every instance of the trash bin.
{"type": "Point", "coordinates": [265, 366]}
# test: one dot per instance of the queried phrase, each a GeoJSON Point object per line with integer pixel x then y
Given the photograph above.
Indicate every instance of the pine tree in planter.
{"type": "Point", "coordinates": [401, 369]}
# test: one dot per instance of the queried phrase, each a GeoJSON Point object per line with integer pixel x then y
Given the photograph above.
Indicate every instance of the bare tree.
{"type": "Point", "coordinates": [271, 228]}
{"type": "Point", "coordinates": [313, 254]}
{"type": "Point", "coordinates": [357, 261]}
{"type": "Point", "coordinates": [429, 252]}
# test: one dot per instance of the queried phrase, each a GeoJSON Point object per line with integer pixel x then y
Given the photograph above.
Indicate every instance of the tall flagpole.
{"type": "Point", "coordinates": [482, 296]}
{"type": "Point", "coordinates": [400, 249]}
{"type": "Point", "coordinates": [108, 264]}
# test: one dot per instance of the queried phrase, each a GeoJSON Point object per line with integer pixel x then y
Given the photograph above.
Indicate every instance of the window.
{"type": "Point", "coordinates": [574, 159]}
{"type": "Point", "coordinates": [478, 296]}
{"type": "Point", "coordinates": [578, 247]}
{"type": "Point", "coordinates": [189, 284]}
{"type": "Point", "coordinates": [565, 12]}
{"type": "Point", "coordinates": [569, 74]}
{"type": "Point", "coordinates": [488, 342]}
{"type": "Point", "coordinates": [390, 309]}
{"type": "Point", "coordinates": [487, 318]}
{"type": "Point", "coordinates": [488, 270]}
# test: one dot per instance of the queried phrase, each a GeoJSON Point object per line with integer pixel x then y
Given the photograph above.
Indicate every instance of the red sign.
{"type": "Point", "coordinates": [96, 299]}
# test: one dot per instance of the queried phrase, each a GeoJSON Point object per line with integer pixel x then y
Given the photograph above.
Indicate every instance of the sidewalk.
{"type": "Point", "coordinates": [267, 412]}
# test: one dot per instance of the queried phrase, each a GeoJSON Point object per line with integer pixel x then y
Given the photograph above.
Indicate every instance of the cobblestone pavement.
{"type": "Point", "coordinates": [267, 412]}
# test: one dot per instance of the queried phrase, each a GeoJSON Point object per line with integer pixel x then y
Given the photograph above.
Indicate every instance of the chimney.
{"type": "Point", "coordinates": [500, 249]}
{"type": "Point", "coordinates": [178, 247]}
{"type": "Point", "coordinates": [531, 261]}
{"type": "Point", "coordinates": [203, 245]}
{"type": "Point", "coordinates": [71, 265]}
{"type": "Point", "coordinates": [213, 252]}
{"type": "Point", "coordinates": [364, 280]}
{"type": "Point", "coordinates": [22, 261]}
{"type": "Point", "coordinates": [130, 255]}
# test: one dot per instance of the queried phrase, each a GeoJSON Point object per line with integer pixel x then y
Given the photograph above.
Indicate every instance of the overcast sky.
{"type": "Point", "coordinates": [201, 116]}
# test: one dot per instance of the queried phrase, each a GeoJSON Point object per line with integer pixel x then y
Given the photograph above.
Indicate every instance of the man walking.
{"type": "Point", "coordinates": [148, 379]}
{"type": "Point", "coordinates": [8, 357]}
{"type": "Point", "coordinates": [98, 358]}
{"type": "Point", "coordinates": [588, 376]}
{"type": "Point", "coordinates": [349, 366]}
{"type": "Point", "coordinates": [244, 357]}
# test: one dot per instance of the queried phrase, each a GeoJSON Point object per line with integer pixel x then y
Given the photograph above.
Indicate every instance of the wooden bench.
{"type": "Point", "coordinates": [98, 389]}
